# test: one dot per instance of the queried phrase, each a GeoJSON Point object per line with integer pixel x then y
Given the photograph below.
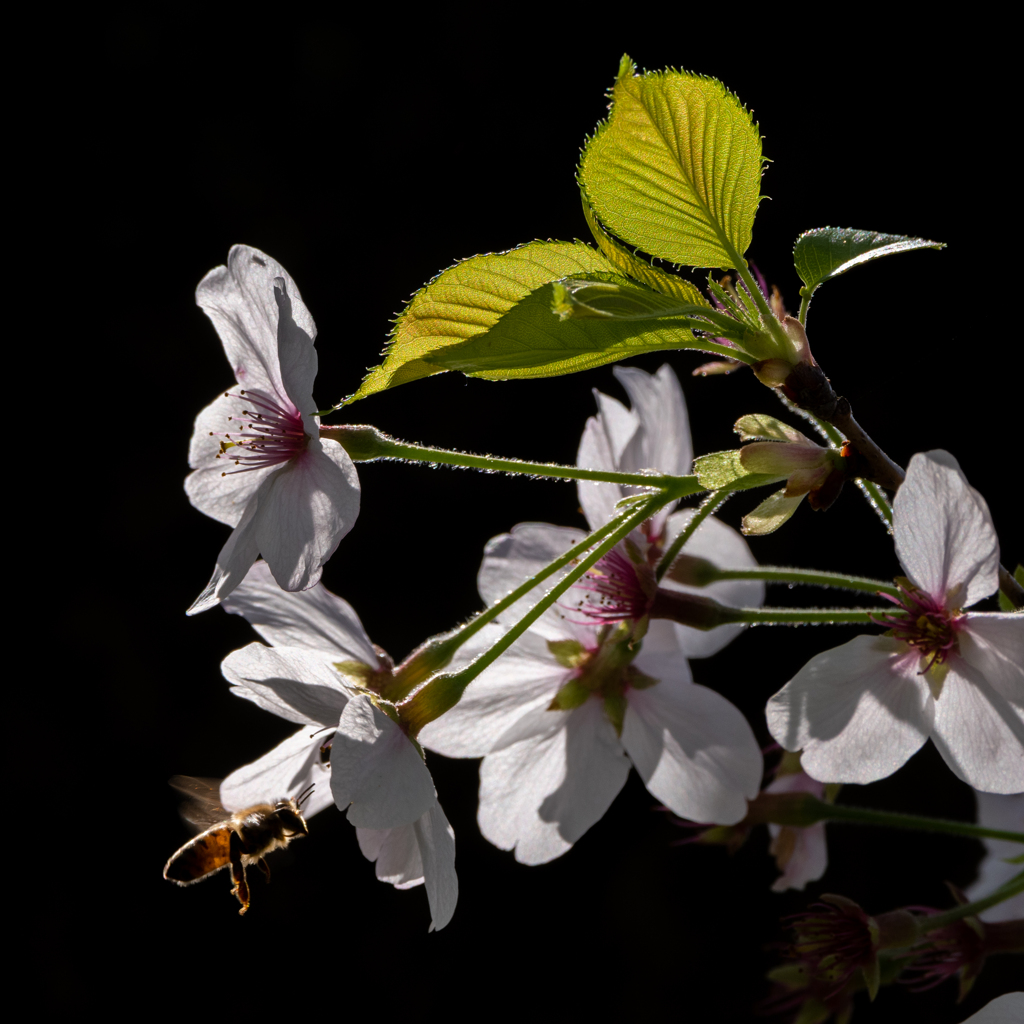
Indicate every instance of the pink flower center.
{"type": "Point", "coordinates": [612, 591]}
{"type": "Point", "coordinates": [923, 623]}
{"type": "Point", "coordinates": [268, 434]}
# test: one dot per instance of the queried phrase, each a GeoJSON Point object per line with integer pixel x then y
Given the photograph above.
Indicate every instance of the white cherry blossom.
{"type": "Point", "coordinates": [356, 756]}
{"type": "Point", "coordinates": [861, 710]}
{"type": "Point", "coordinates": [800, 852]}
{"type": "Point", "coordinates": [569, 707]}
{"type": "Point", "coordinates": [258, 462]}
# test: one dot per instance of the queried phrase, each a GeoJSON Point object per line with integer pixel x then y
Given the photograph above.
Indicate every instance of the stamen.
{"type": "Point", "coordinates": [274, 434]}
{"type": "Point", "coordinates": [613, 592]}
{"type": "Point", "coordinates": [923, 623]}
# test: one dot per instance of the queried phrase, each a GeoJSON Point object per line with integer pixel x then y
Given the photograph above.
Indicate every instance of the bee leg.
{"type": "Point", "coordinates": [265, 868]}
{"type": "Point", "coordinates": [241, 889]}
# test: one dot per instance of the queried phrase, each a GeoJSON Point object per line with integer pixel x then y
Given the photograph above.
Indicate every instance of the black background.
{"type": "Point", "coordinates": [366, 159]}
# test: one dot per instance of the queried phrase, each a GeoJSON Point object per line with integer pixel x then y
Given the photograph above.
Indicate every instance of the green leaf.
{"type": "Point", "coordinates": [491, 316]}
{"type": "Point", "coordinates": [824, 253]}
{"type": "Point", "coordinates": [468, 300]}
{"type": "Point", "coordinates": [724, 469]}
{"type": "Point", "coordinates": [676, 168]}
{"type": "Point", "coordinates": [770, 514]}
{"type": "Point", "coordinates": [759, 427]}
{"type": "Point", "coordinates": [632, 266]}
{"type": "Point", "coordinates": [613, 297]}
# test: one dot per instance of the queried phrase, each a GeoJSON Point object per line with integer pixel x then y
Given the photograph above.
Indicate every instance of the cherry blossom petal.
{"type": "Point", "coordinates": [214, 487]}
{"type": "Point", "coordinates": [436, 840]}
{"type": "Point", "coordinates": [524, 679]}
{"type": "Point", "coordinates": [1005, 1009]}
{"type": "Point", "coordinates": [694, 750]}
{"type": "Point", "coordinates": [296, 354]}
{"type": "Point", "coordinates": [993, 643]}
{"type": "Point", "coordinates": [289, 682]}
{"type": "Point", "coordinates": [240, 300]}
{"type": "Point", "coordinates": [304, 510]}
{"type": "Point", "coordinates": [605, 438]}
{"type": "Point", "coordinates": [541, 794]}
{"type": "Point", "coordinates": [376, 769]}
{"type": "Point", "coordinates": [234, 561]}
{"type": "Point", "coordinates": [723, 546]}
{"type": "Point", "coordinates": [1007, 813]}
{"type": "Point", "coordinates": [858, 711]}
{"type": "Point", "coordinates": [657, 399]}
{"type": "Point", "coordinates": [945, 538]}
{"type": "Point", "coordinates": [979, 733]}
{"type": "Point", "coordinates": [396, 853]}
{"type": "Point", "coordinates": [291, 767]}
{"type": "Point", "coordinates": [807, 855]}
{"type": "Point", "coordinates": [512, 558]}
{"type": "Point", "coordinates": [314, 619]}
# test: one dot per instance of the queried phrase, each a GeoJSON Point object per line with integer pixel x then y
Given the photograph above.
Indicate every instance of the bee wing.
{"type": "Point", "coordinates": [202, 807]}
{"type": "Point", "coordinates": [208, 852]}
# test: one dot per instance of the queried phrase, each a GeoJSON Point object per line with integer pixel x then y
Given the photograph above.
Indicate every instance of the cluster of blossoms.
{"type": "Point", "coordinates": [599, 681]}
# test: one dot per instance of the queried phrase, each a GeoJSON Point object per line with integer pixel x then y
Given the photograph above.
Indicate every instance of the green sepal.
{"type": "Point", "coordinates": [639, 680]}
{"type": "Point", "coordinates": [772, 513]}
{"type": "Point", "coordinates": [724, 469]}
{"type": "Point", "coordinates": [615, 710]}
{"type": "Point", "coordinates": [676, 168]}
{"type": "Point", "coordinates": [759, 427]}
{"type": "Point", "coordinates": [1019, 859]}
{"type": "Point", "coordinates": [355, 672]}
{"type": "Point", "coordinates": [568, 653]}
{"type": "Point", "coordinates": [571, 695]}
{"type": "Point", "coordinates": [824, 253]}
{"type": "Point", "coordinates": [1005, 604]}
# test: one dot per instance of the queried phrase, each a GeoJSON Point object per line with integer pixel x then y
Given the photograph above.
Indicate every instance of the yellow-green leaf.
{"type": "Point", "coordinates": [770, 514]}
{"type": "Point", "coordinates": [676, 168]}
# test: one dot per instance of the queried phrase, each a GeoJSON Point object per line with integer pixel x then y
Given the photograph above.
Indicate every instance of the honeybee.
{"type": "Point", "coordinates": [239, 839]}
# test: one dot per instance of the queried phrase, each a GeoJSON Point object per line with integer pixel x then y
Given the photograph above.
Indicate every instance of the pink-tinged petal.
{"type": "Point", "coordinates": [945, 538]}
{"type": "Point", "coordinates": [512, 558]}
{"type": "Point", "coordinates": [858, 712]}
{"type": "Point", "coordinates": [233, 562]}
{"type": "Point", "coordinates": [541, 794]}
{"type": "Point", "coordinates": [694, 750]}
{"type": "Point", "coordinates": [289, 682]}
{"type": "Point", "coordinates": [993, 643]}
{"type": "Point", "coordinates": [305, 509]}
{"type": "Point", "coordinates": [723, 546]}
{"type": "Point", "coordinates": [1005, 1009]}
{"type": "Point", "coordinates": [524, 679]}
{"type": "Point", "coordinates": [240, 300]}
{"type": "Point", "coordinates": [286, 771]}
{"type": "Point", "coordinates": [606, 438]}
{"type": "Point", "coordinates": [978, 732]}
{"type": "Point", "coordinates": [214, 487]}
{"type": "Point", "coordinates": [436, 840]}
{"type": "Point", "coordinates": [396, 853]}
{"type": "Point", "coordinates": [376, 769]}
{"type": "Point", "coordinates": [1006, 813]}
{"type": "Point", "coordinates": [806, 853]}
{"type": "Point", "coordinates": [314, 619]}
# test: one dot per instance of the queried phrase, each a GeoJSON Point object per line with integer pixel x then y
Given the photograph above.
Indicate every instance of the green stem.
{"type": "Point", "coordinates": [714, 500]}
{"type": "Point", "coordinates": [803, 616]}
{"type": "Point", "coordinates": [436, 654]}
{"type": "Point", "coordinates": [814, 579]}
{"type": "Point", "coordinates": [877, 500]}
{"type": "Point", "coordinates": [444, 691]}
{"type": "Point", "coordinates": [367, 444]}
{"type": "Point", "coordinates": [893, 819]}
{"type": "Point", "coordinates": [805, 304]}
{"type": "Point", "coordinates": [1004, 892]}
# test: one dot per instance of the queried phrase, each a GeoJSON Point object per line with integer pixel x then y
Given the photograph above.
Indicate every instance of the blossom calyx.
{"type": "Point", "coordinates": [363, 443]}
{"type": "Point", "coordinates": [692, 610]}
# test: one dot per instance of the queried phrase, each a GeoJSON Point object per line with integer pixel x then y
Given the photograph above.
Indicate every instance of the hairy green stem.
{"type": "Point", "coordinates": [714, 500]}
{"type": "Point", "coordinates": [367, 444]}
{"type": "Point", "coordinates": [1004, 892]}
{"type": "Point", "coordinates": [893, 819]}
{"type": "Point", "coordinates": [803, 616]}
{"type": "Point", "coordinates": [444, 691]}
{"type": "Point", "coordinates": [814, 579]}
